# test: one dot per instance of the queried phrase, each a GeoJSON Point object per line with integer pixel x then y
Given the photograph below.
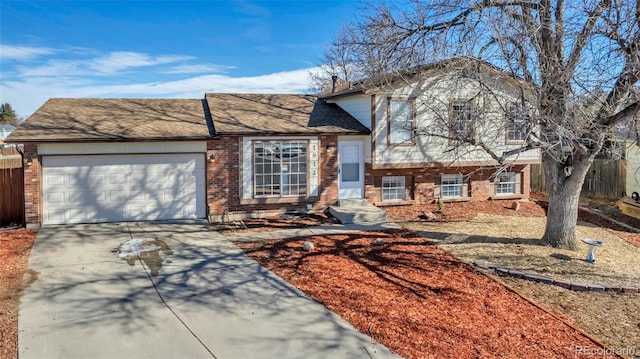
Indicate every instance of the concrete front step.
{"type": "Point", "coordinates": [353, 202]}
{"type": "Point", "coordinates": [354, 212]}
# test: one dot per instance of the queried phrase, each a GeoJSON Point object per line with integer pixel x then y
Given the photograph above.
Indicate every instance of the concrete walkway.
{"type": "Point", "coordinates": [198, 296]}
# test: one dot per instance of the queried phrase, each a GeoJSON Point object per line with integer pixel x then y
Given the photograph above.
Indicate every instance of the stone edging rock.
{"type": "Point", "coordinates": [576, 286]}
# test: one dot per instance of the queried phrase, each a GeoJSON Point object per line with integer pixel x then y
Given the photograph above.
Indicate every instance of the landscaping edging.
{"type": "Point", "coordinates": [576, 286]}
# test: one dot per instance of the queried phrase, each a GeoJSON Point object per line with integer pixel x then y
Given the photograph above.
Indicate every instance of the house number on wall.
{"type": "Point", "coordinates": [313, 167]}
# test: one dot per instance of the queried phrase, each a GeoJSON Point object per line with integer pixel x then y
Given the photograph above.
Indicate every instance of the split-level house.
{"type": "Point", "coordinates": [400, 140]}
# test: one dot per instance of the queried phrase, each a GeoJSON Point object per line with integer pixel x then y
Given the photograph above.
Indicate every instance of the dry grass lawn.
{"type": "Point", "coordinates": [513, 242]}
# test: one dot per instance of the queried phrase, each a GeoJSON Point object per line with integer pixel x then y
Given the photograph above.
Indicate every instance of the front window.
{"type": "Point", "coordinates": [462, 121]}
{"type": "Point", "coordinates": [393, 188]}
{"type": "Point", "coordinates": [506, 183]}
{"type": "Point", "coordinates": [451, 185]}
{"type": "Point", "coordinates": [517, 122]}
{"type": "Point", "coordinates": [280, 168]}
{"type": "Point", "coordinates": [401, 121]}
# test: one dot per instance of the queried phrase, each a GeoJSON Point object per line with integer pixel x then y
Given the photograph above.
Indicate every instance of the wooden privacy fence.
{"type": "Point", "coordinates": [605, 179]}
{"type": "Point", "coordinates": [11, 187]}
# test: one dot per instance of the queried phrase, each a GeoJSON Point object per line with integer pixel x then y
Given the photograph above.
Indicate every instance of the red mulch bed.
{"type": "Point", "coordinates": [416, 299]}
{"type": "Point", "coordinates": [15, 246]}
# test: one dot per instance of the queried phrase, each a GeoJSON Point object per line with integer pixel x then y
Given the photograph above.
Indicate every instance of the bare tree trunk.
{"type": "Point", "coordinates": [564, 194]}
{"type": "Point", "coordinates": [561, 218]}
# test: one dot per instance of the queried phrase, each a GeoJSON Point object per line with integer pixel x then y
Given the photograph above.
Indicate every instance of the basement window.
{"type": "Point", "coordinates": [451, 185]}
{"type": "Point", "coordinates": [393, 188]}
{"type": "Point", "coordinates": [507, 183]}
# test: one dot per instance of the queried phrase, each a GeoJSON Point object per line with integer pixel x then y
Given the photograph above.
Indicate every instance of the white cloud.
{"type": "Point", "coordinates": [29, 93]}
{"type": "Point", "coordinates": [78, 72]}
{"type": "Point", "coordinates": [110, 64]}
{"type": "Point", "coordinates": [121, 60]}
{"type": "Point", "coordinates": [21, 53]}
{"type": "Point", "coordinates": [197, 69]}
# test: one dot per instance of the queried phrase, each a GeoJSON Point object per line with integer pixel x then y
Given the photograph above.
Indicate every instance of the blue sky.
{"type": "Point", "coordinates": [160, 48]}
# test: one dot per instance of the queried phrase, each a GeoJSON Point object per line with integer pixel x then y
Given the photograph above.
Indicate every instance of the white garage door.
{"type": "Point", "coordinates": [110, 188]}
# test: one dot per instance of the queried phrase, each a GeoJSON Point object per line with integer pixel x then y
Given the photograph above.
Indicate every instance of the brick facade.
{"type": "Point", "coordinates": [224, 181]}
{"type": "Point", "coordinates": [32, 186]}
{"type": "Point", "coordinates": [421, 184]}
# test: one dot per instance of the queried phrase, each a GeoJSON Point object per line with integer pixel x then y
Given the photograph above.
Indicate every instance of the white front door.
{"type": "Point", "coordinates": [350, 169]}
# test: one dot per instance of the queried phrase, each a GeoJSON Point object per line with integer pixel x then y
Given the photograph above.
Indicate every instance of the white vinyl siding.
{"type": "Point", "coordinates": [393, 188]}
{"type": "Point", "coordinates": [484, 118]}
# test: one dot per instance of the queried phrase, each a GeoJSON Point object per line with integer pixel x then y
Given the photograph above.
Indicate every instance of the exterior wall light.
{"type": "Point", "coordinates": [29, 161]}
{"type": "Point", "coordinates": [212, 158]}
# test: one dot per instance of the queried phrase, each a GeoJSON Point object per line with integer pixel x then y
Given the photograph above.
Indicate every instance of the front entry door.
{"type": "Point", "coordinates": [351, 169]}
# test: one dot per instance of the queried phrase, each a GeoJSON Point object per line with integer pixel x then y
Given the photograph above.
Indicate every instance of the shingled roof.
{"type": "Point", "coordinates": [244, 114]}
{"type": "Point", "coordinates": [376, 83]}
{"type": "Point", "coordinates": [75, 119]}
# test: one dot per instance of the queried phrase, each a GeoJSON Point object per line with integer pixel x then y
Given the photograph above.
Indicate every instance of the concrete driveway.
{"type": "Point", "coordinates": [197, 297]}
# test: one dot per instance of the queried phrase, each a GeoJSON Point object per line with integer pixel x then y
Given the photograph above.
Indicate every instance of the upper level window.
{"type": "Point", "coordinates": [517, 122]}
{"type": "Point", "coordinates": [401, 119]}
{"type": "Point", "coordinates": [280, 168]}
{"type": "Point", "coordinates": [462, 121]}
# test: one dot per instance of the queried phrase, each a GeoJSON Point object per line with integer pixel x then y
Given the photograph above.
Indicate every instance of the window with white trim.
{"type": "Point", "coordinates": [401, 120]}
{"type": "Point", "coordinates": [506, 183]}
{"type": "Point", "coordinates": [393, 188]}
{"type": "Point", "coordinates": [280, 168]}
{"type": "Point", "coordinates": [517, 122]}
{"type": "Point", "coordinates": [462, 120]}
{"type": "Point", "coordinates": [451, 185]}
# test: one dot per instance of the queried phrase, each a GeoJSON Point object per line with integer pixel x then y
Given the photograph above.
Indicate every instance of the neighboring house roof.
{"type": "Point", "coordinates": [5, 131]}
{"type": "Point", "coordinates": [76, 119]}
{"type": "Point", "coordinates": [373, 84]}
{"type": "Point", "coordinates": [278, 114]}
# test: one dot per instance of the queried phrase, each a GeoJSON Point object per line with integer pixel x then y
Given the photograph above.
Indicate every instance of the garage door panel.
{"type": "Point", "coordinates": [77, 215]}
{"type": "Point", "coordinates": [55, 215]}
{"type": "Point", "coordinates": [55, 180]}
{"type": "Point", "coordinates": [54, 197]}
{"type": "Point", "coordinates": [104, 188]}
{"type": "Point", "coordinates": [75, 197]}
{"type": "Point", "coordinates": [117, 178]}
